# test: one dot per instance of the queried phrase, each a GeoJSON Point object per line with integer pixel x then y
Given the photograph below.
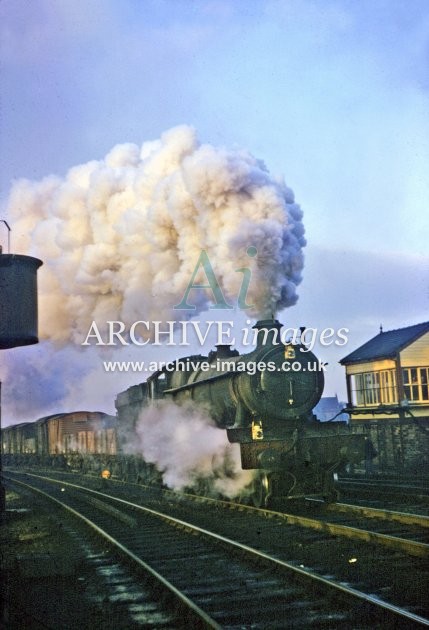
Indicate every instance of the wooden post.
{"type": "Point", "coordinates": [400, 385]}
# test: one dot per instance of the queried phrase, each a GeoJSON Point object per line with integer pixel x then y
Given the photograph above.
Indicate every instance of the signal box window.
{"type": "Point", "coordinates": [416, 384]}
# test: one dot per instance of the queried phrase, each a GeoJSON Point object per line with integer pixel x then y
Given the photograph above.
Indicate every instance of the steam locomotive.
{"type": "Point", "coordinates": [263, 399]}
{"type": "Point", "coordinates": [267, 411]}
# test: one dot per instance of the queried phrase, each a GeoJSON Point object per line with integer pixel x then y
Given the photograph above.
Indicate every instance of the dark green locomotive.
{"type": "Point", "coordinates": [264, 399]}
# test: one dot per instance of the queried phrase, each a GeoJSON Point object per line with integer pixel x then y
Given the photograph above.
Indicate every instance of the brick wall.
{"type": "Point", "coordinates": [402, 445]}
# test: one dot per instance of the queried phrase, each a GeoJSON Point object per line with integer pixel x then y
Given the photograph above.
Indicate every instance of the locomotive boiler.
{"type": "Point", "coordinates": [264, 400]}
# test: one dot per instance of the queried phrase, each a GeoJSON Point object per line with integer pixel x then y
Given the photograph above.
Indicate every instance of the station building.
{"type": "Point", "coordinates": [388, 395]}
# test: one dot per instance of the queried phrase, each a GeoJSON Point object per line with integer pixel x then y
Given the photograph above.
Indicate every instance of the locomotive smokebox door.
{"type": "Point", "coordinates": [18, 300]}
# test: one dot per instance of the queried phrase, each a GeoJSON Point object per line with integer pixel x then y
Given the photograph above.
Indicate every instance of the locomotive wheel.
{"type": "Point", "coordinates": [261, 491]}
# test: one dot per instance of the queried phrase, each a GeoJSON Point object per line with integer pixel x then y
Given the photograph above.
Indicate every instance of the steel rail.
{"type": "Point", "coordinates": [326, 583]}
{"type": "Point", "coordinates": [370, 512]}
{"type": "Point", "coordinates": [199, 616]}
{"type": "Point", "coordinates": [411, 547]}
{"type": "Point", "coordinates": [390, 485]}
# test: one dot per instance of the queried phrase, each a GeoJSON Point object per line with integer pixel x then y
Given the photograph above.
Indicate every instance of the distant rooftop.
{"type": "Point", "coordinates": [328, 404]}
{"type": "Point", "coordinates": [328, 408]}
{"type": "Point", "coordinates": [387, 344]}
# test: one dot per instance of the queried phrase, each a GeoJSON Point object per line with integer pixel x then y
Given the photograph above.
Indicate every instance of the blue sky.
{"type": "Point", "coordinates": [332, 94]}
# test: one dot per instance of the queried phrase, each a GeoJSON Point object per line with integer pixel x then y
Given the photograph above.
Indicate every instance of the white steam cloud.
{"type": "Point", "coordinates": [120, 237]}
{"type": "Point", "coordinates": [188, 450]}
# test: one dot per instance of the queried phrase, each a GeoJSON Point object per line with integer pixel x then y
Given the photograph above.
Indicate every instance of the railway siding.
{"type": "Point", "coordinates": [55, 577]}
{"type": "Point", "coordinates": [306, 551]}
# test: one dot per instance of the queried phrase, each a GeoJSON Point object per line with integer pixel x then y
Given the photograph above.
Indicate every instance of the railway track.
{"type": "Point", "coordinates": [403, 531]}
{"type": "Point", "coordinates": [401, 480]}
{"type": "Point", "coordinates": [240, 569]}
{"type": "Point", "coordinates": [399, 531]}
{"type": "Point", "coordinates": [407, 518]}
{"type": "Point", "coordinates": [168, 604]}
{"type": "Point", "coordinates": [391, 492]}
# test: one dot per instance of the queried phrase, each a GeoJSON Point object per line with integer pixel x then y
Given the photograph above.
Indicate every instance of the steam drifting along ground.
{"type": "Point", "coordinates": [121, 237]}
{"type": "Point", "coordinates": [188, 450]}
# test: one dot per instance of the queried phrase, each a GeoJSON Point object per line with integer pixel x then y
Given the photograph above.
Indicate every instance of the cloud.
{"type": "Point", "coordinates": [359, 290]}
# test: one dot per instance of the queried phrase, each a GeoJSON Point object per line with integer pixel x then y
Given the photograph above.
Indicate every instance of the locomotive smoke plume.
{"type": "Point", "coordinates": [120, 237]}
{"type": "Point", "coordinates": [188, 450]}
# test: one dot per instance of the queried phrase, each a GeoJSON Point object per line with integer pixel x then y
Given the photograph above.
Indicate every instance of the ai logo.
{"type": "Point", "coordinates": [213, 284]}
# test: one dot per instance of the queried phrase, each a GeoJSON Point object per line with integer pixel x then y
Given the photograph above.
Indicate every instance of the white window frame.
{"type": "Point", "coordinates": [370, 389]}
{"type": "Point", "coordinates": [416, 384]}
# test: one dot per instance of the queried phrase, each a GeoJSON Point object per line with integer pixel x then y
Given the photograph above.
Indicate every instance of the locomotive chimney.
{"type": "Point", "coordinates": [267, 332]}
{"type": "Point", "coordinates": [223, 351]}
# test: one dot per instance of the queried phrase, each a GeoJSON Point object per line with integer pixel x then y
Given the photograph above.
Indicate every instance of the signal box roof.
{"type": "Point", "coordinates": [386, 345]}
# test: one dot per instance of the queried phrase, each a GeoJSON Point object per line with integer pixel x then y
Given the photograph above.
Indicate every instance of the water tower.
{"type": "Point", "coordinates": [18, 300]}
{"type": "Point", "coordinates": [18, 307]}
